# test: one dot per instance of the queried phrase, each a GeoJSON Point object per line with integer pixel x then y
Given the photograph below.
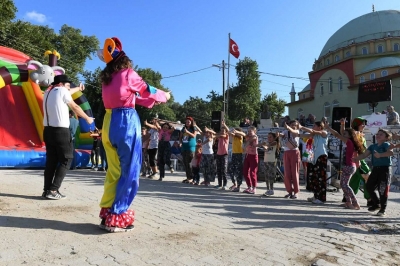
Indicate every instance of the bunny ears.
{"type": "Point", "coordinates": [112, 50]}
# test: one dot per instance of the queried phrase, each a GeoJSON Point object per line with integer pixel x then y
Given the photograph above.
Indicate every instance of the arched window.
{"type": "Point", "coordinates": [348, 54]}
{"type": "Point", "coordinates": [396, 47]}
{"type": "Point", "coordinates": [380, 48]}
{"type": "Point", "coordinates": [337, 58]}
{"type": "Point", "coordinates": [362, 79]}
{"type": "Point", "coordinates": [340, 84]}
{"type": "Point", "coordinates": [335, 103]}
{"type": "Point", "coordinates": [384, 73]}
{"type": "Point", "coordinates": [327, 110]}
{"type": "Point", "coordinates": [372, 76]}
{"type": "Point", "coordinates": [364, 50]}
{"type": "Point", "coordinates": [330, 85]}
{"type": "Point", "coordinates": [328, 61]}
{"type": "Point", "coordinates": [322, 89]}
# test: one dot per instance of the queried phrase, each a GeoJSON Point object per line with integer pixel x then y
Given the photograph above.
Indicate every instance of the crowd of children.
{"type": "Point", "coordinates": [209, 156]}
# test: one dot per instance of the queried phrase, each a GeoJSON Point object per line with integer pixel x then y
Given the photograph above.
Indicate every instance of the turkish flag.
{"type": "Point", "coordinates": [234, 48]}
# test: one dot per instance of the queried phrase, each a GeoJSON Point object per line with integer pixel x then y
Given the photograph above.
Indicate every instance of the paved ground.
{"type": "Point", "coordinates": [180, 224]}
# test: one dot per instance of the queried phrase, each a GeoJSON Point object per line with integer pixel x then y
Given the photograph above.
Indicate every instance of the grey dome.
{"type": "Point", "coordinates": [307, 88]}
{"type": "Point", "coordinates": [380, 63]}
{"type": "Point", "coordinates": [375, 25]}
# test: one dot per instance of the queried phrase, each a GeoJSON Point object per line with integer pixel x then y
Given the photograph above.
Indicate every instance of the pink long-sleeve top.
{"type": "Point", "coordinates": [127, 89]}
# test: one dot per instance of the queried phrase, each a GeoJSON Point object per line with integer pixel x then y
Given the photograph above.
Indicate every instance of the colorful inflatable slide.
{"type": "Point", "coordinates": [21, 116]}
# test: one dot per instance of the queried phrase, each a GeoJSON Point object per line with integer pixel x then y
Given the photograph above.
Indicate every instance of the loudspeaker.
{"type": "Point", "coordinates": [339, 113]}
{"type": "Point", "coordinates": [216, 120]}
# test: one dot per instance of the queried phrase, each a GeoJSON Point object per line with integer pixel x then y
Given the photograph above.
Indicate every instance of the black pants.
{"type": "Point", "coordinates": [222, 169]}
{"type": "Point", "coordinates": [94, 156]}
{"type": "Point", "coordinates": [73, 163]}
{"type": "Point", "coordinates": [152, 156]}
{"type": "Point", "coordinates": [103, 156]}
{"type": "Point", "coordinates": [379, 179]}
{"type": "Point", "coordinates": [59, 154]}
{"type": "Point", "coordinates": [196, 174]}
{"type": "Point", "coordinates": [163, 157]}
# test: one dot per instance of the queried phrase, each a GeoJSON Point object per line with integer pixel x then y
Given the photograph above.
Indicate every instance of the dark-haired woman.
{"type": "Point", "coordinates": [187, 139]}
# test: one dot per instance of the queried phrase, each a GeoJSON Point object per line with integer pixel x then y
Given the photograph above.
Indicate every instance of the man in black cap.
{"type": "Point", "coordinates": [56, 134]}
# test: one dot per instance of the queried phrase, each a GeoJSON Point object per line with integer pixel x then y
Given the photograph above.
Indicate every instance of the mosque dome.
{"type": "Point", "coordinates": [383, 62]}
{"type": "Point", "coordinates": [374, 25]}
{"type": "Point", "coordinates": [307, 88]}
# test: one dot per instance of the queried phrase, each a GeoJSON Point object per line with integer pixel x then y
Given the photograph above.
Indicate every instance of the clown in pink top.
{"type": "Point", "coordinates": [122, 90]}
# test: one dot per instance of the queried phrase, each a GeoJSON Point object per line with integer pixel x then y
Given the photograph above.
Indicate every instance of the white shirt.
{"type": "Point", "coordinates": [270, 154]}
{"type": "Point", "coordinates": [55, 107]}
{"type": "Point", "coordinates": [207, 147]}
{"type": "Point", "coordinates": [153, 139]}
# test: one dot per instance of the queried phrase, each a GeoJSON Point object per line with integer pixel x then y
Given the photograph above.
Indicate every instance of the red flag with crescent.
{"type": "Point", "coordinates": [234, 48]}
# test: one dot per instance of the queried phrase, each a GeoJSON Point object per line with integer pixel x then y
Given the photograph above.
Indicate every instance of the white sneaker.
{"type": "Point", "coordinates": [311, 199]}
{"type": "Point", "coordinates": [317, 201]}
{"type": "Point", "coordinates": [225, 188]}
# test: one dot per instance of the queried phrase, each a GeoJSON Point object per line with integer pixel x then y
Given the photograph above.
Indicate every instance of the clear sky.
{"type": "Point", "coordinates": [175, 37]}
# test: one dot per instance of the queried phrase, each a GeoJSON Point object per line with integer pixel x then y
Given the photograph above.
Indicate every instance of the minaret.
{"type": "Point", "coordinates": [292, 94]}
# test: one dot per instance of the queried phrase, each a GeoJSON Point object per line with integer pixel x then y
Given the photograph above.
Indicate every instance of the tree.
{"type": "Point", "coordinates": [93, 94]}
{"type": "Point", "coordinates": [270, 103]}
{"type": "Point", "coordinates": [7, 10]}
{"type": "Point", "coordinates": [34, 40]}
{"type": "Point", "coordinates": [244, 98]}
{"type": "Point", "coordinates": [162, 111]}
{"type": "Point", "coordinates": [74, 48]}
{"type": "Point", "coordinates": [197, 108]}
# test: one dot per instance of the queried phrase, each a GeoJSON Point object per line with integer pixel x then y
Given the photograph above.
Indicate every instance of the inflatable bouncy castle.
{"type": "Point", "coordinates": [22, 83]}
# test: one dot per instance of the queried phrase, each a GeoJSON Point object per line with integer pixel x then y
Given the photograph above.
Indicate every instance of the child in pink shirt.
{"type": "Point", "coordinates": [164, 147]}
{"type": "Point", "coordinates": [222, 157]}
{"type": "Point", "coordinates": [250, 164]}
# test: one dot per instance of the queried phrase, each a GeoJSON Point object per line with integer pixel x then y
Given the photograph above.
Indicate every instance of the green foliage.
{"type": "Point", "coordinates": [163, 111]}
{"type": "Point", "coordinates": [94, 96]}
{"type": "Point", "coordinates": [7, 10]}
{"type": "Point", "coordinates": [244, 98]}
{"type": "Point", "coordinates": [74, 49]}
{"type": "Point", "coordinates": [34, 40]}
{"type": "Point", "coordinates": [197, 108]}
{"type": "Point", "coordinates": [270, 103]}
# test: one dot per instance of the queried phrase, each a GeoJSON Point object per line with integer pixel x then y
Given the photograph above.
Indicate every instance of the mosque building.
{"type": "Point", "coordinates": [364, 51]}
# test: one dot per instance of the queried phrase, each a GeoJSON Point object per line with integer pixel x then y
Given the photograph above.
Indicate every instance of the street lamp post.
{"type": "Point", "coordinates": [223, 66]}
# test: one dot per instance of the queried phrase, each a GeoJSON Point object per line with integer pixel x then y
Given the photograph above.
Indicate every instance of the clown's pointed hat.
{"type": "Point", "coordinates": [112, 50]}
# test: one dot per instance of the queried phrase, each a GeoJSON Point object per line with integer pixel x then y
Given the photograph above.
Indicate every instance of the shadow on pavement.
{"type": "Point", "coordinates": [35, 223]}
{"type": "Point", "coordinates": [247, 211]}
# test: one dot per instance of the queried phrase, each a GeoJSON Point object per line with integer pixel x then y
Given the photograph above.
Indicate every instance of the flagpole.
{"type": "Point", "coordinates": [227, 83]}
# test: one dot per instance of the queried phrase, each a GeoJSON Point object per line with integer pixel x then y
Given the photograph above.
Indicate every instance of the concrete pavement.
{"type": "Point", "coordinates": [182, 224]}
